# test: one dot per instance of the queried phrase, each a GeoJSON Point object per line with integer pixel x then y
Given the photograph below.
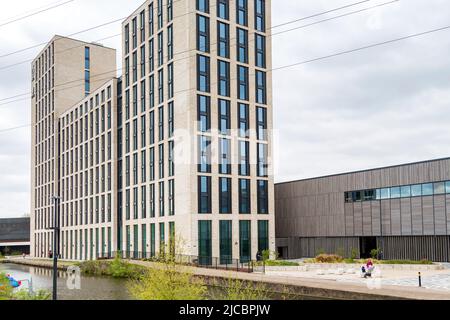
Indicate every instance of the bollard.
{"type": "Point", "coordinates": [420, 279]}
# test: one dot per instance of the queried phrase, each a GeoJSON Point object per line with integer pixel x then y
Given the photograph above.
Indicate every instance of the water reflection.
{"type": "Point", "coordinates": [92, 288]}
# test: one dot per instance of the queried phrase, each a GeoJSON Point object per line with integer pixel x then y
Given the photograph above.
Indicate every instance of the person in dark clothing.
{"type": "Point", "coordinates": [258, 256]}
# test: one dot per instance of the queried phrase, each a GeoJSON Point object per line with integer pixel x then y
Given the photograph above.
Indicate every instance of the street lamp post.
{"type": "Point", "coordinates": [56, 230]}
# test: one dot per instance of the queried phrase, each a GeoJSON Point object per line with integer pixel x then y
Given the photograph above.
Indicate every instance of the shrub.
{"type": "Point", "coordinates": [354, 253]}
{"type": "Point", "coordinates": [329, 258]}
{"type": "Point", "coordinates": [275, 263]}
{"type": "Point", "coordinates": [374, 253]}
{"type": "Point", "coordinates": [117, 268]}
{"type": "Point", "coordinates": [236, 289]}
{"type": "Point", "coordinates": [24, 294]}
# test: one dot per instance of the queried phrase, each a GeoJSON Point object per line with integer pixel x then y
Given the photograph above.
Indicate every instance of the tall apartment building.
{"type": "Point", "coordinates": [193, 137]}
{"type": "Point", "coordinates": [195, 128]}
{"type": "Point", "coordinates": [63, 73]}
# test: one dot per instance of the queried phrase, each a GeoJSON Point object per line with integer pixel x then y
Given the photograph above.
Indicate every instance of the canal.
{"type": "Point", "coordinates": [92, 288]}
{"type": "Point", "coordinates": [100, 288]}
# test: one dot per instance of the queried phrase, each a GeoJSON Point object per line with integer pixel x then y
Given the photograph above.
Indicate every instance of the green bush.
{"type": "Point", "coordinates": [374, 253]}
{"type": "Point", "coordinates": [276, 263]}
{"type": "Point", "coordinates": [329, 258]}
{"type": "Point", "coordinates": [117, 268]}
{"type": "Point", "coordinates": [24, 294]}
{"type": "Point", "coordinates": [354, 254]}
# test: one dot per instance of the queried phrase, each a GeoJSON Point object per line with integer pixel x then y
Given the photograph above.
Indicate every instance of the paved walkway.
{"type": "Point", "coordinates": [362, 289]}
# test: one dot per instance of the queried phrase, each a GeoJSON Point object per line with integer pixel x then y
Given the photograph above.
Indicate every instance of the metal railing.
{"type": "Point", "coordinates": [222, 263]}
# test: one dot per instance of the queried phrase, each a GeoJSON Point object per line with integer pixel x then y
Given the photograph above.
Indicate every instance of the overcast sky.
{"type": "Point", "coordinates": [383, 106]}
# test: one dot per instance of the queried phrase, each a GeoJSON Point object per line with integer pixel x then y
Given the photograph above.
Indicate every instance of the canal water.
{"type": "Point", "coordinates": [92, 288]}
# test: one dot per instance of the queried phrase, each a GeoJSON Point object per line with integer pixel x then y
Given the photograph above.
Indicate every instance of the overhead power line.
{"type": "Point", "coordinates": [212, 44]}
{"type": "Point", "coordinates": [315, 59]}
{"type": "Point", "coordinates": [71, 35]}
{"type": "Point", "coordinates": [54, 6]}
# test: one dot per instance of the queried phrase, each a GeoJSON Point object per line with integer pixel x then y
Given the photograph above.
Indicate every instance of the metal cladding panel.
{"type": "Point", "coordinates": [428, 215]}
{"type": "Point", "coordinates": [367, 218]}
{"type": "Point", "coordinates": [417, 217]}
{"type": "Point", "coordinates": [395, 217]}
{"type": "Point", "coordinates": [405, 212]}
{"type": "Point", "coordinates": [440, 218]}
{"type": "Point", "coordinates": [376, 218]}
{"type": "Point", "coordinates": [357, 207]}
{"type": "Point", "coordinates": [386, 216]}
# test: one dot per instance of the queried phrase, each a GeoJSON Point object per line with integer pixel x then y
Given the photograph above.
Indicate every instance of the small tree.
{"type": "Point", "coordinates": [375, 253]}
{"type": "Point", "coordinates": [168, 280]}
{"type": "Point", "coordinates": [354, 253]}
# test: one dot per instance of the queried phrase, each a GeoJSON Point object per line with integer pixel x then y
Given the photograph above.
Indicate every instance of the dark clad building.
{"type": "Point", "coordinates": [403, 210]}
{"type": "Point", "coordinates": [15, 235]}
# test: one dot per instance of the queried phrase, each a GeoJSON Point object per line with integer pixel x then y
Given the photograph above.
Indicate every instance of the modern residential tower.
{"type": "Point", "coordinates": [179, 146]}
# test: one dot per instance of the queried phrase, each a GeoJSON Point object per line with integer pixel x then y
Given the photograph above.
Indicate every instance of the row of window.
{"type": "Point", "coordinates": [142, 68]}
{"type": "Point", "coordinates": [224, 80]}
{"type": "Point", "coordinates": [132, 132]}
{"type": "Point", "coordinates": [143, 208]}
{"type": "Point", "coordinates": [223, 44]}
{"type": "Point", "coordinates": [417, 190]}
{"type": "Point", "coordinates": [95, 210]}
{"type": "Point", "coordinates": [225, 196]}
{"type": "Point", "coordinates": [226, 240]}
{"type": "Point", "coordinates": [84, 184]}
{"type": "Point", "coordinates": [224, 115]}
{"type": "Point", "coordinates": [84, 156]}
{"type": "Point", "coordinates": [223, 11]}
{"type": "Point", "coordinates": [151, 23]}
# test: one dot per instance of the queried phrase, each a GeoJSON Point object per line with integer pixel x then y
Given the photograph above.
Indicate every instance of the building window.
{"type": "Point", "coordinates": [160, 86]}
{"type": "Point", "coordinates": [224, 78]}
{"type": "Point", "coordinates": [162, 238]}
{"type": "Point", "coordinates": [204, 242]}
{"type": "Point", "coordinates": [202, 33]}
{"type": "Point", "coordinates": [243, 125]}
{"type": "Point", "coordinates": [160, 14]}
{"type": "Point", "coordinates": [143, 61]}
{"type": "Point", "coordinates": [226, 241]}
{"type": "Point", "coordinates": [263, 198]}
{"type": "Point", "coordinates": [152, 240]}
{"type": "Point", "coordinates": [171, 119]}
{"type": "Point", "coordinates": [152, 91]}
{"type": "Point", "coordinates": [261, 123]}
{"type": "Point", "coordinates": [127, 39]}
{"type": "Point", "coordinates": [260, 13]}
{"type": "Point", "coordinates": [134, 26]}
{"type": "Point", "coordinates": [142, 25]}
{"type": "Point", "coordinates": [160, 49]}
{"type": "Point", "coordinates": [143, 96]}
{"type": "Point", "coordinates": [169, 10]}
{"type": "Point", "coordinates": [262, 160]}
{"type": "Point", "coordinates": [224, 117]}
{"type": "Point", "coordinates": [263, 235]}
{"type": "Point", "coordinates": [242, 12]}
{"type": "Point", "coordinates": [143, 166]}
{"type": "Point", "coordinates": [151, 57]}
{"type": "Point", "coordinates": [204, 195]}
{"type": "Point", "coordinates": [161, 199]}
{"type": "Point", "coordinates": [245, 243]}
{"type": "Point", "coordinates": [203, 71]}
{"type": "Point", "coordinates": [225, 196]}
{"type": "Point", "coordinates": [223, 34]}
{"type": "Point", "coordinates": [151, 23]}
{"type": "Point", "coordinates": [225, 156]}
{"type": "Point", "coordinates": [161, 161]}
{"type": "Point", "coordinates": [152, 127]}
{"type": "Point", "coordinates": [170, 43]}
{"type": "Point", "coordinates": [242, 45]}
{"type": "Point", "coordinates": [161, 123]}
{"type": "Point", "coordinates": [204, 113]}
{"type": "Point", "coordinates": [171, 197]}
{"type": "Point", "coordinates": [170, 80]}
{"type": "Point", "coordinates": [204, 154]}
{"type": "Point", "coordinates": [260, 51]}
{"type": "Point", "coordinates": [152, 164]}
{"type": "Point", "coordinates": [223, 9]}
{"type": "Point", "coordinates": [261, 96]}
{"type": "Point", "coordinates": [171, 159]}
{"type": "Point", "coordinates": [152, 200]}
{"type": "Point", "coordinates": [242, 82]}
{"type": "Point", "coordinates": [244, 196]}
{"type": "Point", "coordinates": [203, 6]}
